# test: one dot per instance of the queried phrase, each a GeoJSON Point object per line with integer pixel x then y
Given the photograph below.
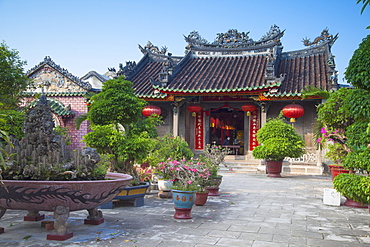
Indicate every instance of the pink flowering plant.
{"type": "Point", "coordinates": [144, 174]}
{"type": "Point", "coordinates": [335, 141]}
{"type": "Point", "coordinates": [187, 175]}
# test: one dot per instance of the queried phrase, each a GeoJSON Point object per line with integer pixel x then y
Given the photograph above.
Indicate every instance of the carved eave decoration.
{"type": "Point", "coordinates": [51, 78]}
{"type": "Point", "coordinates": [233, 39]}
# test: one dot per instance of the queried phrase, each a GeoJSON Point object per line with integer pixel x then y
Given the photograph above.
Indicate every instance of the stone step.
{"type": "Point", "coordinates": [257, 168]}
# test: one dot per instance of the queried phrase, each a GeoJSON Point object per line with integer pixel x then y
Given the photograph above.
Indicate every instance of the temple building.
{"type": "Point", "coordinates": [223, 91]}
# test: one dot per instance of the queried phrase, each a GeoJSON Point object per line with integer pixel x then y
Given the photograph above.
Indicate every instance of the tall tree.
{"type": "Point", "coordinates": [12, 79]}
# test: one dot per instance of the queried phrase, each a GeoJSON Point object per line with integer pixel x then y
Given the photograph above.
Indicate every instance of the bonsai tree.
{"type": "Point", "coordinates": [277, 140]}
{"type": "Point", "coordinates": [118, 127]}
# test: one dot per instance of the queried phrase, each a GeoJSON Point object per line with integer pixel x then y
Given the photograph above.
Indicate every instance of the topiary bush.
{"type": "Point", "coordinates": [278, 140]}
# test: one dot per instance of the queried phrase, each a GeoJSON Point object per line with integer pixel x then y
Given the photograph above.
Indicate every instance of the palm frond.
{"type": "Point", "coordinates": [79, 119]}
{"type": "Point", "coordinates": [314, 91]}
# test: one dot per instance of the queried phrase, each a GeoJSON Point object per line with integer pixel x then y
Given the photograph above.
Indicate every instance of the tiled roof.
{"type": "Point", "coordinates": [141, 80]}
{"type": "Point", "coordinates": [57, 107]}
{"type": "Point", "coordinates": [302, 71]}
{"type": "Point", "coordinates": [67, 94]}
{"type": "Point", "coordinates": [220, 74]}
{"type": "Point", "coordinates": [100, 77]}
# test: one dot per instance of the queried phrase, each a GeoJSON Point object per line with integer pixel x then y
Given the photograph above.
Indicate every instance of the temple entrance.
{"type": "Point", "coordinates": [227, 129]}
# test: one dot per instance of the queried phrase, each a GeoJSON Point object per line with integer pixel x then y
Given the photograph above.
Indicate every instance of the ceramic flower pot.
{"type": "Point", "coordinates": [184, 201]}
{"type": "Point", "coordinates": [274, 168]}
{"type": "Point", "coordinates": [164, 185]}
{"type": "Point", "coordinates": [201, 198]}
{"type": "Point", "coordinates": [336, 170]}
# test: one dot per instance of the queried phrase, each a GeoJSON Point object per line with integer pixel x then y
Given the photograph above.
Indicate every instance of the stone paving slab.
{"type": "Point", "coordinates": [253, 210]}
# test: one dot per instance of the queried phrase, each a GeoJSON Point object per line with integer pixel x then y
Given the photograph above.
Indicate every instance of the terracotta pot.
{"type": "Point", "coordinates": [46, 195]}
{"type": "Point", "coordinates": [201, 198]}
{"type": "Point", "coordinates": [335, 170]}
{"type": "Point", "coordinates": [213, 191]}
{"type": "Point", "coordinates": [274, 168]}
{"type": "Point", "coordinates": [354, 204]}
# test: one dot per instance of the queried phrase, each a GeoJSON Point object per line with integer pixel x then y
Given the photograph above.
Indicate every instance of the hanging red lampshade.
{"type": "Point", "coordinates": [293, 111]}
{"type": "Point", "coordinates": [151, 110]}
{"type": "Point", "coordinates": [194, 108]}
{"type": "Point", "coordinates": [249, 108]}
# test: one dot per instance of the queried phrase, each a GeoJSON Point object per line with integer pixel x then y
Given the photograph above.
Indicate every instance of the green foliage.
{"type": "Point", "coordinates": [278, 140]}
{"type": "Point", "coordinates": [117, 103]}
{"type": "Point", "coordinates": [168, 147]}
{"type": "Point", "coordinates": [12, 122]}
{"type": "Point", "coordinates": [359, 138]}
{"type": "Point", "coordinates": [354, 187]}
{"type": "Point", "coordinates": [333, 114]}
{"type": "Point", "coordinates": [357, 103]}
{"type": "Point", "coordinates": [336, 153]}
{"type": "Point", "coordinates": [365, 4]}
{"type": "Point", "coordinates": [12, 79]}
{"type": "Point", "coordinates": [118, 126]}
{"type": "Point", "coordinates": [64, 133]}
{"type": "Point", "coordinates": [358, 70]}
{"type": "Point", "coordinates": [357, 160]}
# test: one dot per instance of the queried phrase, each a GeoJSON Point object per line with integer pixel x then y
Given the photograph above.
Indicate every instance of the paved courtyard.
{"type": "Point", "coordinates": [253, 210]}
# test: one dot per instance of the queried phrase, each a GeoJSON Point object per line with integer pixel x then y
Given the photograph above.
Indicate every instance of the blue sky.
{"type": "Point", "coordinates": [85, 35]}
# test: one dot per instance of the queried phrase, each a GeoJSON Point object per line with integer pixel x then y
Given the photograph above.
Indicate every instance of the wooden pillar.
{"type": "Point", "coordinates": [175, 126]}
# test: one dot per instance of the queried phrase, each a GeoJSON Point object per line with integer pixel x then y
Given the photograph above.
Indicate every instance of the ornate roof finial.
{"type": "Point", "coordinates": [324, 37]}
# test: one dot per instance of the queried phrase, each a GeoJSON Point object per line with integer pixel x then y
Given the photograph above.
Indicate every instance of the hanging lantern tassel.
{"type": "Point", "coordinates": [293, 111]}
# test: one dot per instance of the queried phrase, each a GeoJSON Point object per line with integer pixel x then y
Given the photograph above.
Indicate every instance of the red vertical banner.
{"type": "Point", "coordinates": [199, 131]}
{"type": "Point", "coordinates": [254, 126]}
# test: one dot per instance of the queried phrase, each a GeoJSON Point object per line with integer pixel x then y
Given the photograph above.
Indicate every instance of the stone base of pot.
{"type": "Point", "coordinates": [94, 222]}
{"type": "Point", "coordinates": [182, 213]}
{"type": "Point", "coordinates": [34, 218]}
{"type": "Point", "coordinates": [59, 237]}
{"type": "Point", "coordinates": [273, 168]}
{"type": "Point", "coordinates": [165, 194]}
{"type": "Point", "coordinates": [201, 198]}
{"type": "Point", "coordinates": [48, 225]}
{"type": "Point", "coordinates": [213, 191]}
{"type": "Point", "coordinates": [354, 204]}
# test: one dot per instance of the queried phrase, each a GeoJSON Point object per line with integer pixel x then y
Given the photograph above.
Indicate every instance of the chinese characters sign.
{"type": "Point", "coordinates": [199, 131]}
{"type": "Point", "coordinates": [254, 125]}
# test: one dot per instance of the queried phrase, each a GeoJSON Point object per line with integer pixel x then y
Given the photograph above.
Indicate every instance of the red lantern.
{"type": "Point", "coordinates": [151, 110]}
{"type": "Point", "coordinates": [194, 108]}
{"type": "Point", "coordinates": [249, 108]}
{"type": "Point", "coordinates": [293, 111]}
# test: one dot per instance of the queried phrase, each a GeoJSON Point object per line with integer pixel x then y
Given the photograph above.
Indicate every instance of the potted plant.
{"type": "Point", "coordinates": [278, 140]}
{"type": "Point", "coordinates": [214, 156]}
{"type": "Point", "coordinates": [40, 175]}
{"type": "Point", "coordinates": [165, 149]}
{"type": "Point", "coordinates": [187, 178]}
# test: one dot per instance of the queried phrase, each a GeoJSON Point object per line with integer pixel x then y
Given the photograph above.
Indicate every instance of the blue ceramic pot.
{"type": "Point", "coordinates": [183, 199]}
